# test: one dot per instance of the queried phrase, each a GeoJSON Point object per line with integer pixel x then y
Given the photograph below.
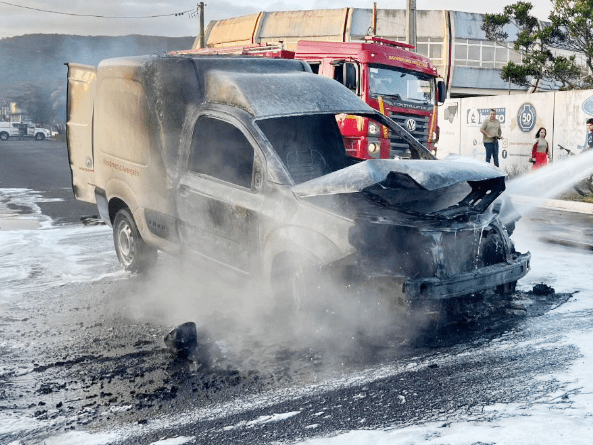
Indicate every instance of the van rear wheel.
{"type": "Point", "coordinates": [133, 253]}
{"type": "Point", "coordinates": [4, 136]}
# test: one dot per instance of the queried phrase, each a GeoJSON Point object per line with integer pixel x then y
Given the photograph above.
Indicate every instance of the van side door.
{"type": "Point", "coordinates": [79, 124]}
{"type": "Point", "coordinates": [219, 196]}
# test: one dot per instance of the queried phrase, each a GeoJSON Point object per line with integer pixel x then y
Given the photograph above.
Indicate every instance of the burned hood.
{"type": "Point", "coordinates": [281, 94]}
{"type": "Point", "coordinates": [448, 189]}
{"type": "Point", "coordinates": [423, 174]}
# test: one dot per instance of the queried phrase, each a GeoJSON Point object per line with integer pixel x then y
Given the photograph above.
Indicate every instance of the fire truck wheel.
{"type": "Point", "coordinates": [4, 136]}
{"type": "Point", "coordinates": [39, 137]}
{"type": "Point", "coordinates": [133, 253]}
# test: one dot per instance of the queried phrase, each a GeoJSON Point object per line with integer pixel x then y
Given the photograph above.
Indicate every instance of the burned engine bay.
{"type": "Point", "coordinates": [424, 230]}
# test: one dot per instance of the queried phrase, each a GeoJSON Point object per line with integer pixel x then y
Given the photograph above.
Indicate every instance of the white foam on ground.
{"type": "Point", "coordinates": [53, 256]}
{"type": "Point", "coordinates": [551, 419]}
{"type": "Point", "coordinates": [80, 254]}
{"type": "Point", "coordinates": [561, 418]}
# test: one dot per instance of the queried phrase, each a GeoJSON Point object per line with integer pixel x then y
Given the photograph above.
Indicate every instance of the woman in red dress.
{"type": "Point", "coordinates": [540, 151]}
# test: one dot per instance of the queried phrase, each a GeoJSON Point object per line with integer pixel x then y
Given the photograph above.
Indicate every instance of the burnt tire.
{"type": "Point", "coordinates": [294, 283]}
{"type": "Point", "coordinates": [506, 290]}
{"type": "Point", "coordinates": [4, 136]}
{"type": "Point", "coordinates": [132, 252]}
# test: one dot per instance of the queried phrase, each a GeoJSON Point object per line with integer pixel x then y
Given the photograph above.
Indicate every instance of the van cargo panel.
{"type": "Point", "coordinates": [79, 121]}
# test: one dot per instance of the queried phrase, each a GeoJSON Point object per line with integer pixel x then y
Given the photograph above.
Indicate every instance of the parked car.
{"type": "Point", "coordinates": [22, 130]}
{"type": "Point", "coordinates": [240, 161]}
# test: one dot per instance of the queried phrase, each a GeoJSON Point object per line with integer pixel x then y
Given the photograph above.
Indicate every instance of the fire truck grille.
{"type": "Point", "coordinates": [416, 125]}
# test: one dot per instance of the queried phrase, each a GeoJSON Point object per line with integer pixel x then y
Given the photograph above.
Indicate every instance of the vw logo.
{"type": "Point", "coordinates": [411, 124]}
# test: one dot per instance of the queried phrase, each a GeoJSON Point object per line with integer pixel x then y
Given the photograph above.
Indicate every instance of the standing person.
{"type": "Point", "coordinates": [22, 131]}
{"type": "Point", "coordinates": [490, 129]}
{"type": "Point", "coordinates": [589, 142]}
{"type": "Point", "coordinates": [540, 153]}
{"type": "Point", "coordinates": [585, 186]}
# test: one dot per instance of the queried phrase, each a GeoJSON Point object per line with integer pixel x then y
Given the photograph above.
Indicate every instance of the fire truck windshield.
{"type": "Point", "coordinates": [399, 85]}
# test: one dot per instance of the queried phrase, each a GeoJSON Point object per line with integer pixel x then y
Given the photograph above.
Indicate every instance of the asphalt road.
{"type": "Point", "coordinates": [43, 166]}
{"type": "Point", "coordinates": [82, 348]}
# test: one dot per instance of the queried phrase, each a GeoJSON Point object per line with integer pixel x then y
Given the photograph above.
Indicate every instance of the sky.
{"type": "Point", "coordinates": [76, 17]}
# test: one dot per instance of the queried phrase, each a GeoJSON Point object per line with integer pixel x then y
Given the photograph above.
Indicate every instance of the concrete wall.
{"type": "Point", "coordinates": [563, 114]}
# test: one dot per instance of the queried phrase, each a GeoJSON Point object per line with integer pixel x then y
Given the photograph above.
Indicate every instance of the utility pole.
{"type": "Point", "coordinates": [201, 12]}
{"type": "Point", "coordinates": [374, 25]}
{"type": "Point", "coordinates": [411, 15]}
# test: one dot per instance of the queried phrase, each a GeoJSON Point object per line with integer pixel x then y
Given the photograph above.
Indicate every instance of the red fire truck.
{"type": "Point", "coordinates": [388, 76]}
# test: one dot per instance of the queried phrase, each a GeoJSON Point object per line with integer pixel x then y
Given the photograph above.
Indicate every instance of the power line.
{"type": "Point", "coordinates": [191, 12]}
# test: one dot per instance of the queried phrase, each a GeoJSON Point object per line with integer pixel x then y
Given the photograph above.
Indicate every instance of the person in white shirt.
{"type": "Point", "coordinates": [490, 129]}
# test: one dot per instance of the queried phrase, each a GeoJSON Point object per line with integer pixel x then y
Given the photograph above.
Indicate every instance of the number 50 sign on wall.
{"type": "Point", "coordinates": [526, 117]}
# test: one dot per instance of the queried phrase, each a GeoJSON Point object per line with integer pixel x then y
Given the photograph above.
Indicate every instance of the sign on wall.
{"type": "Point", "coordinates": [562, 113]}
{"type": "Point", "coordinates": [450, 119]}
{"type": "Point", "coordinates": [526, 117]}
{"type": "Point", "coordinates": [572, 109]}
{"type": "Point", "coordinates": [475, 116]}
{"type": "Point", "coordinates": [588, 106]}
{"type": "Point", "coordinates": [519, 115]}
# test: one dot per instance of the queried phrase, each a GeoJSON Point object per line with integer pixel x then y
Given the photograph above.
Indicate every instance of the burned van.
{"type": "Point", "coordinates": [241, 161]}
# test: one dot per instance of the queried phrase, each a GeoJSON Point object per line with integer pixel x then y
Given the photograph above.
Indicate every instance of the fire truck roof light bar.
{"type": "Point", "coordinates": [381, 41]}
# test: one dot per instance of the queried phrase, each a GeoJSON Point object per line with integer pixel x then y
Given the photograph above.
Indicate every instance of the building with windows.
{"type": "Point", "coordinates": [456, 44]}
{"type": "Point", "coordinates": [10, 112]}
{"type": "Point", "coordinates": [468, 62]}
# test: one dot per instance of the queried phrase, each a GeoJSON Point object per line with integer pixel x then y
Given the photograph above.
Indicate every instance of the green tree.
{"type": "Point", "coordinates": [569, 28]}
{"type": "Point", "coordinates": [573, 20]}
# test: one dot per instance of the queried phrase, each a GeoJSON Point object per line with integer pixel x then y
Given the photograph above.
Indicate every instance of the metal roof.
{"type": "Point", "coordinates": [281, 94]}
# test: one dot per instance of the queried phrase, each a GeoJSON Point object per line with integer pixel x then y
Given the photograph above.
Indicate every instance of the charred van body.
{"type": "Point", "coordinates": [426, 233]}
{"type": "Point", "coordinates": [241, 161]}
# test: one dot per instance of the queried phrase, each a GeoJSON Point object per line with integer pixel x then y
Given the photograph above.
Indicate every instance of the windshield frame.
{"type": "Point", "coordinates": [389, 72]}
{"type": "Point", "coordinates": [421, 152]}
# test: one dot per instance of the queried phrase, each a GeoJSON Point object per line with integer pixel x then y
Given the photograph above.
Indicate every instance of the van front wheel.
{"type": "Point", "coordinates": [3, 136]}
{"type": "Point", "coordinates": [133, 253]}
{"type": "Point", "coordinates": [294, 283]}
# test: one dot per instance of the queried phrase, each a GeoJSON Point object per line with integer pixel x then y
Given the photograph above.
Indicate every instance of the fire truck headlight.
{"type": "Point", "coordinates": [374, 129]}
{"type": "Point", "coordinates": [435, 136]}
{"type": "Point", "coordinates": [374, 149]}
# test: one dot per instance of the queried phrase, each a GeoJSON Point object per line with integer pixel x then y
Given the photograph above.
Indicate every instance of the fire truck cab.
{"type": "Point", "coordinates": [385, 74]}
{"type": "Point", "coordinates": [399, 83]}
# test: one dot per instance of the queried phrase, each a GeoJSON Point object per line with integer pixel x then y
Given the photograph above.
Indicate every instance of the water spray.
{"type": "Point", "coordinates": [529, 191]}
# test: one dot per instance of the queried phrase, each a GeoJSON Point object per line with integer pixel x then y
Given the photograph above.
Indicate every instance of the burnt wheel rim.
{"type": "Point", "coordinates": [126, 243]}
{"type": "Point", "coordinates": [297, 287]}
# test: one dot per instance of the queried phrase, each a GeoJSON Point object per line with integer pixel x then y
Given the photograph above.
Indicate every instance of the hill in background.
{"type": "Point", "coordinates": [32, 70]}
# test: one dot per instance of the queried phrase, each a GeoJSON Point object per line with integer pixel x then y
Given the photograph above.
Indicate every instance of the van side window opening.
{"type": "Point", "coordinates": [221, 150]}
{"type": "Point", "coordinates": [170, 85]}
{"type": "Point", "coordinates": [310, 146]}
